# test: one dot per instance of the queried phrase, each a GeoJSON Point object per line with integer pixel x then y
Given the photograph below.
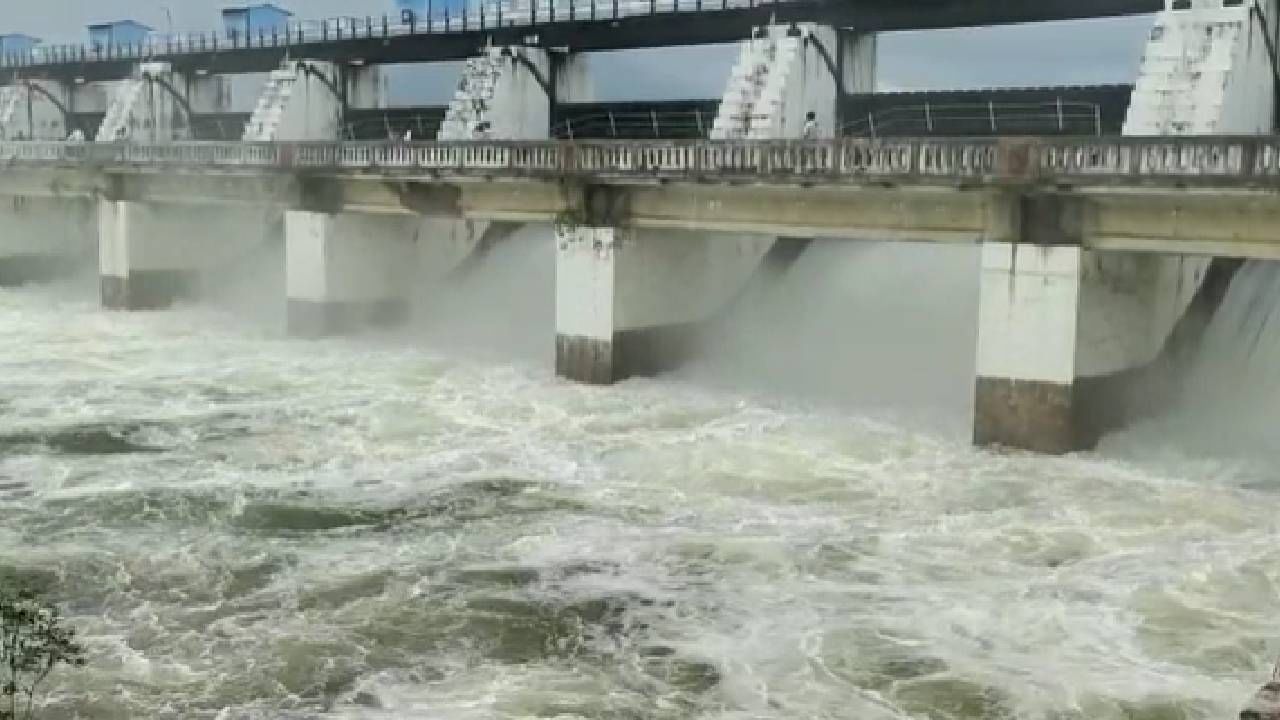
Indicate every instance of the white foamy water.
{"type": "Point", "coordinates": [246, 526]}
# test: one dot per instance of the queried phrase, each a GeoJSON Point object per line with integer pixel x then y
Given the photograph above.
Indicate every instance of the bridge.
{"type": "Point", "coordinates": [1102, 256]}
{"type": "Point", "coordinates": [579, 25]}
{"type": "Point", "coordinates": [1216, 196]}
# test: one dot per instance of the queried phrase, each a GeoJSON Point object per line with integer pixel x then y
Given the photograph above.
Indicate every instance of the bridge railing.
{"type": "Point", "coordinates": [441, 18]}
{"type": "Point", "coordinates": [1018, 160]}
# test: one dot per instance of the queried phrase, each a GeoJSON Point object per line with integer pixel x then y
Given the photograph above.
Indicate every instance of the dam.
{"type": "Point", "coordinates": [772, 419]}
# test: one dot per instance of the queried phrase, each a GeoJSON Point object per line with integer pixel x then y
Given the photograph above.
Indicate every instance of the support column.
{"type": "Point", "coordinates": [1069, 339]}
{"type": "Point", "coordinates": [140, 267]}
{"type": "Point", "coordinates": [153, 255]}
{"type": "Point", "coordinates": [346, 271]}
{"type": "Point", "coordinates": [630, 302]}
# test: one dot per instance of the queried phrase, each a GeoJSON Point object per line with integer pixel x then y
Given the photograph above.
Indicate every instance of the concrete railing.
{"type": "Point", "coordinates": [1021, 160]}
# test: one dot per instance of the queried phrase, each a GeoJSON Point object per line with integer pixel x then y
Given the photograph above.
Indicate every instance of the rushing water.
{"type": "Point", "coordinates": [242, 525]}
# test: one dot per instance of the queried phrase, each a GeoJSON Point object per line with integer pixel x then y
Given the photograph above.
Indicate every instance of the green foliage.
{"type": "Point", "coordinates": [33, 641]}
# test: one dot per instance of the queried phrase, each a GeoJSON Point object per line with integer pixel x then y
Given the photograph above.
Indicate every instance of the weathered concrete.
{"type": "Point", "coordinates": [308, 100]}
{"type": "Point", "coordinates": [347, 271]}
{"type": "Point", "coordinates": [786, 72]}
{"type": "Point", "coordinates": [146, 108]}
{"type": "Point", "coordinates": [153, 255]}
{"type": "Point", "coordinates": [629, 302]}
{"type": "Point", "coordinates": [1063, 335]}
{"type": "Point", "coordinates": [33, 110]}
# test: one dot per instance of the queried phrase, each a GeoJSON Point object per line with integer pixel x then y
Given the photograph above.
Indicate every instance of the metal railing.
{"type": "Point", "coordinates": [1216, 160]}
{"type": "Point", "coordinates": [665, 124]}
{"type": "Point", "coordinates": [1044, 118]}
{"type": "Point", "coordinates": [472, 17]}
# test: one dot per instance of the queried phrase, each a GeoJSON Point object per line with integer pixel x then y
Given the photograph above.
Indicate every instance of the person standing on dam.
{"type": "Point", "coordinates": [810, 131]}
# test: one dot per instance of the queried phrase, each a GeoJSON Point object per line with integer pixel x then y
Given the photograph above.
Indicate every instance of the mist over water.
{"type": "Point", "coordinates": [426, 524]}
{"type": "Point", "coordinates": [1225, 410]}
{"type": "Point", "coordinates": [501, 306]}
{"type": "Point", "coordinates": [888, 328]}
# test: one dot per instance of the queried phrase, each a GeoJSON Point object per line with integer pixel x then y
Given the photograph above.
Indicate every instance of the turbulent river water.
{"type": "Point", "coordinates": [427, 524]}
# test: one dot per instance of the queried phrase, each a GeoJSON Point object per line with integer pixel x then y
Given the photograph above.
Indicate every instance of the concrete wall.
{"type": "Point", "coordinates": [367, 87]}
{"type": "Point", "coordinates": [520, 108]}
{"type": "Point", "coordinates": [783, 74]}
{"type": "Point", "coordinates": [210, 94]}
{"type": "Point", "coordinates": [502, 91]}
{"type": "Point", "coordinates": [297, 104]}
{"type": "Point", "coordinates": [30, 114]}
{"type": "Point", "coordinates": [146, 107]}
{"type": "Point", "coordinates": [802, 85]}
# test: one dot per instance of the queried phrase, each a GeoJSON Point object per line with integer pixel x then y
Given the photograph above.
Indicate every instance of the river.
{"type": "Point", "coordinates": [427, 524]}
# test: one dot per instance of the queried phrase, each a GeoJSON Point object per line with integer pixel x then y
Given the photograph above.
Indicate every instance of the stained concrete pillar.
{"type": "Point", "coordinates": [142, 267]}
{"type": "Point", "coordinates": [630, 302]}
{"type": "Point", "coordinates": [1068, 336]}
{"type": "Point", "coordinates": [347, 271]}
{"type": "Point", "coordinates": [153, 255]}
{"type": "Point", "coordinates": [43, 238]}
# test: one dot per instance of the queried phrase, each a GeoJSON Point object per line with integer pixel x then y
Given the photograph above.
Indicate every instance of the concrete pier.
{"type": "Point", "coordinates": [347, 271]}
{"type": "Point", "coordinates": [630, 302]}
{"type": "Point", "coordinates": [151, 255]}
{"type": "Point", "coordinates": [1065, 336]}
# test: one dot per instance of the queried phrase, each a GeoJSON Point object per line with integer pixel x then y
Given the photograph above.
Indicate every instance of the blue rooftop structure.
{"type": "Point", "coordinates": [17, 44]}
{"type": "Point", "coordinates": [254, 20]}
{"type": "Point", "coordinates": [120, 32]}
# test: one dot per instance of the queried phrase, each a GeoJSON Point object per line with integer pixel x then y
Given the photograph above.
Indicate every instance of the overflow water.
{"type": "Point", "coordinates": [246, 526]}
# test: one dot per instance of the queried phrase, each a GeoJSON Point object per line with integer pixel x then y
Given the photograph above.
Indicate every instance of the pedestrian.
{"type": "Point", "coordinates": [810, 131]}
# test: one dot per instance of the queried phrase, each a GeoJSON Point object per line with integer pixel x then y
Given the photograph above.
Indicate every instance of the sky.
{"type": "Point", "coordinates": [1084, 52]}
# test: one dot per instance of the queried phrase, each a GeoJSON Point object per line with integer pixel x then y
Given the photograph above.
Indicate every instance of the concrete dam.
{"type": "Point", "coordinates": [809, 400]}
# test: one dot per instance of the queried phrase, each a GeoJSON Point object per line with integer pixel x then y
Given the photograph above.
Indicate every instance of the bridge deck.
{"type": "Point", "coordinates": [581, 25]}
{"type": "Point", "coordinates": [1209, 195]}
